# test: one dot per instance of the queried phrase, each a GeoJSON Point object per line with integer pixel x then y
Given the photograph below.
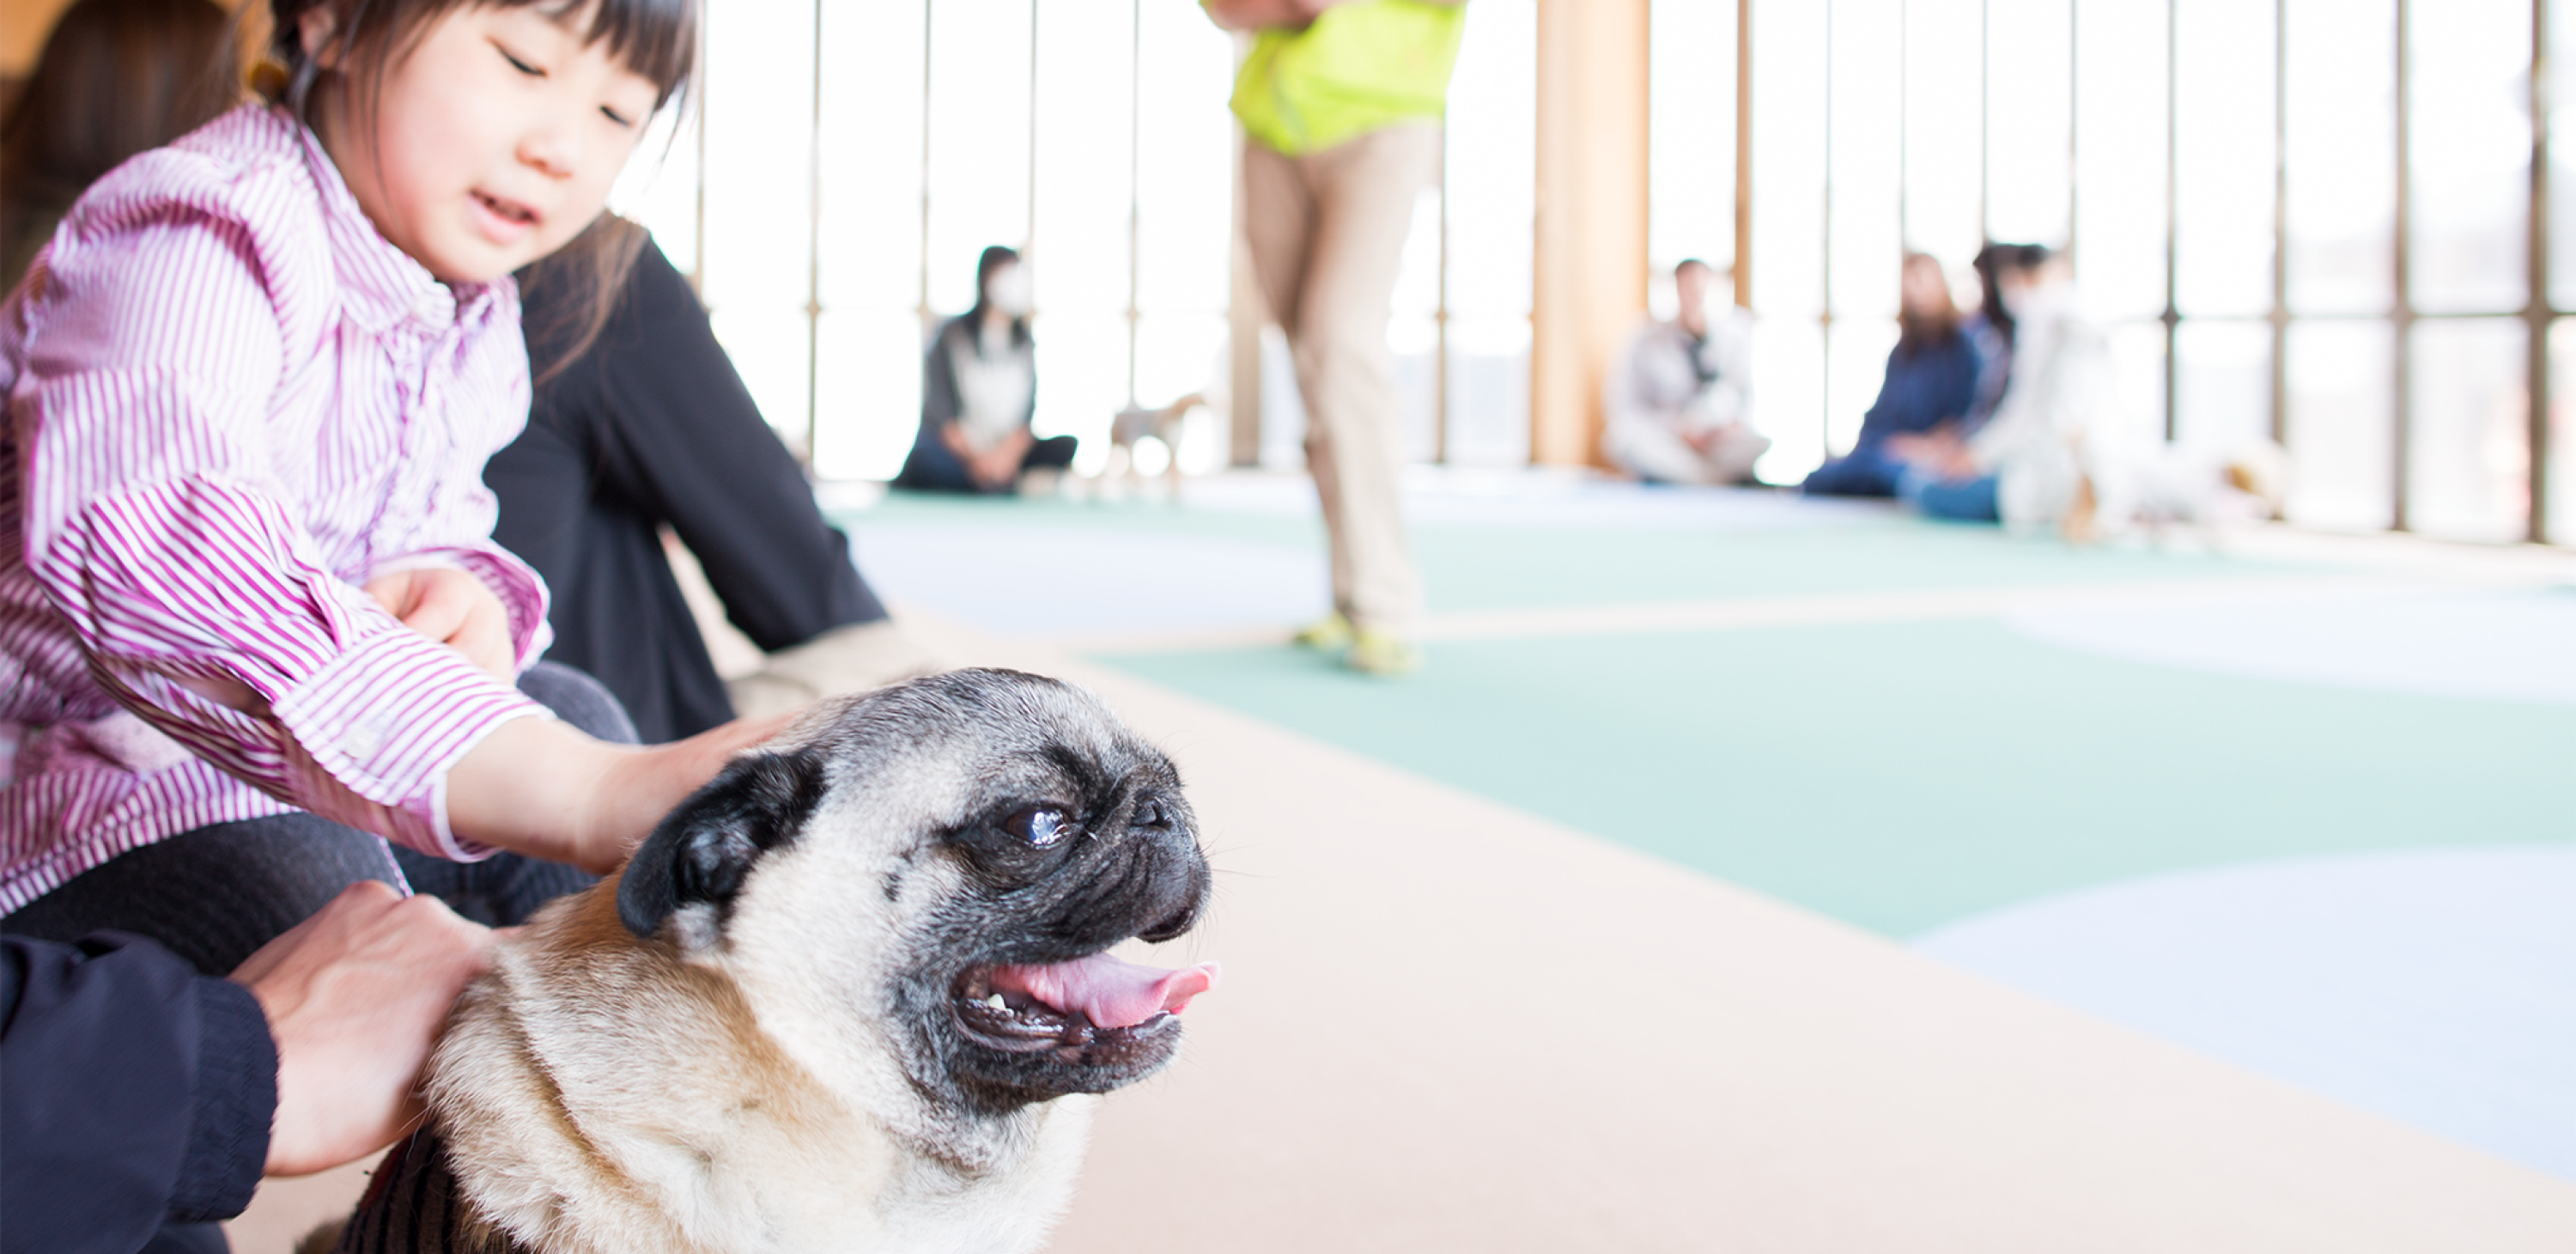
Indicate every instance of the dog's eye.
{"type": "Point", "coordinates": [1040, 826]}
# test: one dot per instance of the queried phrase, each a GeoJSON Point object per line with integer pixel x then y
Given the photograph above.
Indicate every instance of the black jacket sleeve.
{"type": "Point", "coordinates": [134, 1092]}
{"type": "Point", "coordinates": [675, 436]}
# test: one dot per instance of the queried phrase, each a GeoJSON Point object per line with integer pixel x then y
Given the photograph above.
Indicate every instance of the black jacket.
{"type": "Point", "coordinates": [652, 427]}
{"type": "Point", "coordinates": [134, 1092]}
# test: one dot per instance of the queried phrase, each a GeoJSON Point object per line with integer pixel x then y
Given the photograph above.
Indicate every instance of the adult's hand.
{"type": "Point", "coordinates": [354, 997]}
{"type": "Point", "coordinates": [998, 467]}
{"type": "Point", "coordinates": [453, 608]}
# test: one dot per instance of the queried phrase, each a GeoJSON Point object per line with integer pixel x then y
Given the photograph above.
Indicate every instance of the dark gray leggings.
{"type": "Point", "coordinates": [215, 894]}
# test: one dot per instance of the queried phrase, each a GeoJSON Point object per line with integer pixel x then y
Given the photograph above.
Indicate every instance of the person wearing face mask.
{"type": "Point", "coordinates": [979, 391]}
{"type": "Point", "coordinates": [2025, 467]}
{"type": "Point", "coordinates": [1678, 400]}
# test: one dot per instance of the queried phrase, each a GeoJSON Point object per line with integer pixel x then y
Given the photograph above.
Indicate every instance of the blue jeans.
{"type": "Point", "coordinates": [1965, 500]}
{"type": "Point", "coordinates": [1866, 471]}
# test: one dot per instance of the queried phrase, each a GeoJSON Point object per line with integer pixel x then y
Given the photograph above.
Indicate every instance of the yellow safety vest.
{"type": "Point", "coordinates": [1358, 68]}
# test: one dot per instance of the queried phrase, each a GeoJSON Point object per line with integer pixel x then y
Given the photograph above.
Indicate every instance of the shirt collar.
{"type": "Point", "coordinates": [380, 285]}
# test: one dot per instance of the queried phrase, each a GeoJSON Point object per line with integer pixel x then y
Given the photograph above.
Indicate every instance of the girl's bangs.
{"type": "Point", "coordinates": [657, 39]}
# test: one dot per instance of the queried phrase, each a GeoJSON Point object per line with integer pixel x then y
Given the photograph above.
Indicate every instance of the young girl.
{"type": "Point", "coordinates": [246, 574]}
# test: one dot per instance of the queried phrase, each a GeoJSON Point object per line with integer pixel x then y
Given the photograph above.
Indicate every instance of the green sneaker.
{"type": "Point", "coordinates": [1383, 654]}
{"type": "Point", "coordinates": [1329, 634]}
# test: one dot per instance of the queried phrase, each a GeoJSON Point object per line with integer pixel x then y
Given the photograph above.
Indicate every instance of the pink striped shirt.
{"type": "Point", "coordinates": [230, 403]}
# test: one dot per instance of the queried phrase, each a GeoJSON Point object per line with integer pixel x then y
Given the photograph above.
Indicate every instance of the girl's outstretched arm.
{"type": "Point", "coordinates": [538, 787]}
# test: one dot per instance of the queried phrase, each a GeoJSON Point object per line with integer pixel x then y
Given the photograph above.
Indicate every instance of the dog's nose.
{"type": "Point", "coordinates": [1193, 901]}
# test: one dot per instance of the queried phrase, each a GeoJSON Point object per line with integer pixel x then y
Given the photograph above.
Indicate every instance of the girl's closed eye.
{"type": "Point", "coordinates": [517, 62]}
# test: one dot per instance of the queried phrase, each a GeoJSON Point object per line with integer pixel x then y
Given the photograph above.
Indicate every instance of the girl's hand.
{"type": "Point", "coordinates": [455, 609]}
{"type": "Point", "coordinates": [537, 787]}
{"type": "Point", "coordinates": [354, 997]}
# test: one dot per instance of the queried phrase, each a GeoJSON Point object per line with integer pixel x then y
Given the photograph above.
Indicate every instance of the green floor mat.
{"type": "Point", "coordinates": [1900, 776]}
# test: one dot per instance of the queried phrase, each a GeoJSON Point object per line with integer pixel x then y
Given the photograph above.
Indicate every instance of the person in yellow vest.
{"type": "Point", "coordinates": [1341, 104]}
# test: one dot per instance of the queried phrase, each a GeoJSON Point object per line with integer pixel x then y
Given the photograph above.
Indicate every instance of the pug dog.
{"type": "Point", "coordinates": [853, 995]}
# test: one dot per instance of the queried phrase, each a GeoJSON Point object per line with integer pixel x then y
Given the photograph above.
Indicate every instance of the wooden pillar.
{"type": "Point", "coordinates": [1589, 280]}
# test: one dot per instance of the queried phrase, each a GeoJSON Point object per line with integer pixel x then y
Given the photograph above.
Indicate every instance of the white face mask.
{"type": "Point", "coordinates": [1009, 291]}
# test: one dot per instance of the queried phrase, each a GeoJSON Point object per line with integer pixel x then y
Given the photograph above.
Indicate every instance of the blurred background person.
{"type": "Point", "coordinates": [1990, 330]}
{"type": "Point", "coordinates": [1931, 382]}
{"type": "Point", "coordinates": [1341, 105]}
{"type": "Point", "coordinates": [979, 392]}
{"type": "Point", "coordinates": [2024, 466]}
{"type": "Point", "coordinates": [639, 423]}
{"type": "Point", "coordinates": [1678, 397]}
{"type": "Point", "coordinates": [116, 77]}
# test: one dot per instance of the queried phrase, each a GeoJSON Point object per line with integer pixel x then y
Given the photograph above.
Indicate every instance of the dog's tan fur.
{"type": "Point", "coordinates": [600, 1094]}
{"type": "Point", "coordinates": [638, 1172]}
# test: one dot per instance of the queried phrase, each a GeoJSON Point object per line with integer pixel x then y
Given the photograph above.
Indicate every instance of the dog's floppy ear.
{"type": "Point", "coordinates": [704, 849]}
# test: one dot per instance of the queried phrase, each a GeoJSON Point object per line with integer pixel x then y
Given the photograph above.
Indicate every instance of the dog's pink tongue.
{"type": "Point", "coordinates": [1110, 993]}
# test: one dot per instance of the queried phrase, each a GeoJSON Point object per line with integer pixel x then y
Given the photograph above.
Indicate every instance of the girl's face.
{"type": "Point", "coordinates": [492, 144]}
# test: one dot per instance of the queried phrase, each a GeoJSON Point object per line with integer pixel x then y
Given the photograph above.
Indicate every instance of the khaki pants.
{"type": "Point", "coordinates": [1327, 230]}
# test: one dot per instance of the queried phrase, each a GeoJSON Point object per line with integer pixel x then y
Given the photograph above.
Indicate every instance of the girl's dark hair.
{"type": "Point", "coordinates": [657, 39]}
{"type": "Point", "coordinates": [117, 77]}
{"type": "Point", "coordinates": [1917, 331]}
{"type": "Point", "coordinates": [994, 258]}
{"type": "Point", "coordinates": [1992, 261]}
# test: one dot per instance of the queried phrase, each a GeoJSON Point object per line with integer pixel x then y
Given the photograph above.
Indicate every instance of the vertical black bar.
{"type": "Point", "coordinates": [1135, 166]}
{"type": "Point", "coordinates": [1028, 243]}
{"type": "Point", "coordinates": [1440, 309]}
{"type": "Point", "coordinates": [2172, 317]}
{"type": "Point", "coordinates": [1825, 319]}
{"type": "Point", "coordinates": [698, 106]}
{"type": "Point", "coordinates": [814, 250]}
{"type": "Point", "coordinates": [2536, 308]}
{"type": "Point", "coordinates": [922, 310]}
{"type": "Point", "coordinates": [2281, 221]}
{"type": "Point", "coordinates": [1744, 153]}
{"type": "Point", "coordinates": [2074, 116]}
{"type": "Point", "coordinates": [2401, 402]}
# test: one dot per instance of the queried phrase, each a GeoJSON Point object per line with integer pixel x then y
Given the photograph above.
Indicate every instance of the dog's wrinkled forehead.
{"type": "Point", "coordinates": [948, 745]}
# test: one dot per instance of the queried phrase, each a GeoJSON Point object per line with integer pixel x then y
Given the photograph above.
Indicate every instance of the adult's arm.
{"type": "Point", "coordinates": [133, 1092]}
{"type": "Point", "coordinates": [679, 438]}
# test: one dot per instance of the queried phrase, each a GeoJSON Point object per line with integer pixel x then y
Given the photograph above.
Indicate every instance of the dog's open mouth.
{"type": "Point", "coordinates": [1093, 1010]}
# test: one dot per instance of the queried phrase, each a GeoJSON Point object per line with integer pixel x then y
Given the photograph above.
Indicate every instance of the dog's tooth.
{"type": "Point", "coordinates": [997, 1002]}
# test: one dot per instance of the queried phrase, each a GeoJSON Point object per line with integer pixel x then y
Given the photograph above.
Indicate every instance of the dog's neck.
{"type": "Point", "coordinates": [650, 1086]}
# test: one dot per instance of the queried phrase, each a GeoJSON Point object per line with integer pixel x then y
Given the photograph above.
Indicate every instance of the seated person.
{"type": "Point", "coordinates": [117, 77]}
{"type": "Point", "coordinates": [1931, 381]}
{"type": "Point", "coordinates": [2023, 467]}
{"type": "Point", "coordinates": [1679, 396]}
{"type": "Point", "coordinates": [639, 422]}
{"type": "Point", "coordinates": [979, 389]}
